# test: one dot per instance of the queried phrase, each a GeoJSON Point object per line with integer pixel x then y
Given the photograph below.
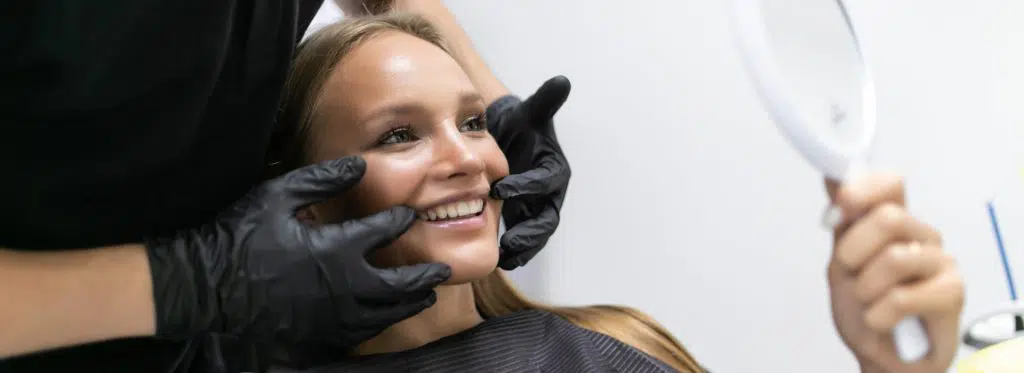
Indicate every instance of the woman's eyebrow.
{"type": "Point", "coordinates": [409, 107]}
{"type": "Point", "coordinates": [401, 108]}
{"type": "Point", "coordinates": [470, 97]}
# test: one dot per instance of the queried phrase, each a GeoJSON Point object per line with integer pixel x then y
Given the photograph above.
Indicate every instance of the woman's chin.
{"type": "Point", "coordinates": [470, 263]}
{"type": "Point", "coordinates": [469, 259]}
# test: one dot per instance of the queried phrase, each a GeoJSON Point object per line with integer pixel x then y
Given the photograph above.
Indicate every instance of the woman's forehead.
{"type": "Point", "coordinates": [392, 69]}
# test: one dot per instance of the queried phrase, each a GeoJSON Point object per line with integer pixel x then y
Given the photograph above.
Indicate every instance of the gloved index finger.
{"type": "Point", "coordinates": [522, 241]}
{"type": "Point", "coordinates": [360, 236]}
{"type": "Point", "coordinates": [320, 181]}
{"type": "Point", "coordinates": [402, 282]}
{"type": "Point", "coordinates": [549, 177]}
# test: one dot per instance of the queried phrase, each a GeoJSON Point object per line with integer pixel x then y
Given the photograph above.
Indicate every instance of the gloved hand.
{"type": "Point", "coordinates": [536, 188]}
{"type": "Point", "coordinates": [260, 273]}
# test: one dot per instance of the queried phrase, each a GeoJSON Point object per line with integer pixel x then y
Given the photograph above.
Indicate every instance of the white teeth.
{"type": "Point", "coordinates": [453, 210]}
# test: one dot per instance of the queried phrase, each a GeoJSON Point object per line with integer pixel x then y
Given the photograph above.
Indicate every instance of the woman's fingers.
{"type": "Point", "coordinates": [898, 264]}
{"type": "Point", "coordinates": [856, 197]}
{"type": "Point", "coordinates": [937, 298]}
{"type": "Point", "coordinates": [887, 266]}
{"type": "Point", "coordinates": [881, 226]}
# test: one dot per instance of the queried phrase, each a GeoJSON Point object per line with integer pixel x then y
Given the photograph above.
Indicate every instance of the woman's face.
{"type": "Point", "coordinates": [410, 111]}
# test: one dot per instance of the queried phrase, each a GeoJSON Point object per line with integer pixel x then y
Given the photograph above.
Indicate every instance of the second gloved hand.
{"type": "Point", "coordinates": [260, 273]}
{"type": "Point", "coordinates": [535, 191]}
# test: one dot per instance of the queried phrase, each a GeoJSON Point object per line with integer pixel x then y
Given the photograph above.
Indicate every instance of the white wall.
{"type": "Point", "coordinates": [686, 203]}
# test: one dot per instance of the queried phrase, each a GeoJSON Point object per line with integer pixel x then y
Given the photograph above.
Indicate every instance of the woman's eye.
{"type": "Point", "coordinates": [398, 136]}
{"type": "Point", "coordinates": [475, 123]}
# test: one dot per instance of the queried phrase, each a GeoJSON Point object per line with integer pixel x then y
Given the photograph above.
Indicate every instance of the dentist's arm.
{"type": "Point", "coordinates": [65, 298]}
{"type": "Point", "coordinates": [234, 275]}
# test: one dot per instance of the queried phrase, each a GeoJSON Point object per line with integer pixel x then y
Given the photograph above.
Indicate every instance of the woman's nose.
{"type": "Point", "coordinates": [456, 156]}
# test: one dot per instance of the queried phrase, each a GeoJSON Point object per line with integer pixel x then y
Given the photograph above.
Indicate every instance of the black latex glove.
{"type": "Point", "coordinates": [259, 273]}
{"type": "Point", "coordinates": [535, 190]}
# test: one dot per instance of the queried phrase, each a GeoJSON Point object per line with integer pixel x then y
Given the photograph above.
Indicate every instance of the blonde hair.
{"type": "Point", "coordinates": [495, 295]}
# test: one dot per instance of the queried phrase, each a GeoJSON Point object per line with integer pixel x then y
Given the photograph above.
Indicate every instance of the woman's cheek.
{"type": "Point", "coordinates": [387, 182]}
{"type": "Point", "coordinates": [495, 163]}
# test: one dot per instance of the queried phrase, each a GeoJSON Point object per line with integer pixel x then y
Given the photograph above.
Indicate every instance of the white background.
{"type": "Point", "coordinates": [686, 203]}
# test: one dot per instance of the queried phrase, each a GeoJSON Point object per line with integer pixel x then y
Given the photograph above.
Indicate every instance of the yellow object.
{"type": "Point", "coordinates": [1005, 357]}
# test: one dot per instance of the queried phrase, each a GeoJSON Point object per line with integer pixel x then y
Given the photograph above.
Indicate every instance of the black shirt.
{"type": "Point", "coordinates": [128, 118]}
{"type": "Point", "coordinates": [526, 342]}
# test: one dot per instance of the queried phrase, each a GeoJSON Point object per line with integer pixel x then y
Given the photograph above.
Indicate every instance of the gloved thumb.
{"type": "Point", "coordinates": [543, 104]}
{"type": "Point", "coordinates": [412, 279]}
{"type": "Point", "coordinates": [376, 230]}
{"type": "Point", "coordinates": [320, 181]}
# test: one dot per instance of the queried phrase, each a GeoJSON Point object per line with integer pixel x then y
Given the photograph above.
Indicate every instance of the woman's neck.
{"type": "Point", "coordinates": [454, 312]}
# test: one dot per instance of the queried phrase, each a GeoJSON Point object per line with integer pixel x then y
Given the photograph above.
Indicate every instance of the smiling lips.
{"type": "Point", "coordinates": [453, 211]}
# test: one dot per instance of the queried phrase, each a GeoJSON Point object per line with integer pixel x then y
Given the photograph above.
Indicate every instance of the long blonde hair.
{"type": "Point", "coordinates": [495, 295]}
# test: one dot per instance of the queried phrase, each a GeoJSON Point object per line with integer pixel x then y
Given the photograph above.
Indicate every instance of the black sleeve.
{"type": "Point", "coordinates": [307, 10]}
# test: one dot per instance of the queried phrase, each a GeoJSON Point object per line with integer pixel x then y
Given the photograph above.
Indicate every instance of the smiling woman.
{"type": "Point", "coordinates": [385, 88]}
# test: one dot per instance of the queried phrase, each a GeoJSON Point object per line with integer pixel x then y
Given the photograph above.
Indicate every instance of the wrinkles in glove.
{"type": "Point", "coordinates": [539, 179]}
{"type": "Point", "coordinates": [259, 273]}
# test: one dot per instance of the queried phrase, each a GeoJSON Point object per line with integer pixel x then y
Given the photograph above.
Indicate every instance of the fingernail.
{"type": "Point", "coordinates": [900, 251]}
{"type": "Point", "coordinates": [913, 247]}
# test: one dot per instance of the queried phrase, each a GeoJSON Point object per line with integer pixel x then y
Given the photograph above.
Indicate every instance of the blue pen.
{"type": "Point", "coordinates": [1018, 319]}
